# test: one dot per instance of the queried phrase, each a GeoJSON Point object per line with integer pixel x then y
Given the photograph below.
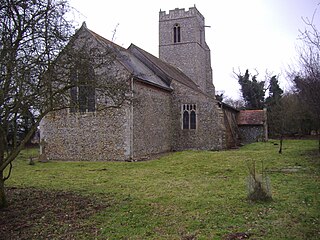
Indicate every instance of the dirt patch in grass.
{"type": "Point", "coordinates": [36, 214]}
{"type": "Point", "coordinates": [235, 236]}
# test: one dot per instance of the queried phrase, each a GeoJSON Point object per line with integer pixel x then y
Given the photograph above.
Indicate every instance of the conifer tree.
{"type": "Point", "coordinates": [252, 90]}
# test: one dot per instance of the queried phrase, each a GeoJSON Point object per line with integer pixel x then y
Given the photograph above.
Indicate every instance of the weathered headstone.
{"type": "Point", "coordinates": [43, 156]}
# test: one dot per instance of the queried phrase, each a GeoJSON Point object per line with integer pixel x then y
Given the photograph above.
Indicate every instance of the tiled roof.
{"type": "Point", "coordinates": [105, 41]}
{"type": "Point", "coordinates": [134, 65]}
{"type": "Point", "coordinates": [166, 71]}
{"type": "Point", "coordinates": [251, 117]}
{"type": "Point", "coordinates": [146, 67]}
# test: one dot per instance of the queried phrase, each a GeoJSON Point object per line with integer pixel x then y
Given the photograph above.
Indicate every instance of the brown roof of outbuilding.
{"type": "Point", "coordinates": [251, 117]}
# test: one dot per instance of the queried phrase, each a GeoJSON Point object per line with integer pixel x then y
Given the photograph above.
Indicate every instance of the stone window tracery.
{"type": "Point", "coordinates": [83, 92]}
{"type": "Point", "coordinates": [189, 116]}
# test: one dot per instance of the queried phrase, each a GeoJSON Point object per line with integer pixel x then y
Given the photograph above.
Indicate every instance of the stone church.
{"type": "Point", "coordinates": [172, 104]}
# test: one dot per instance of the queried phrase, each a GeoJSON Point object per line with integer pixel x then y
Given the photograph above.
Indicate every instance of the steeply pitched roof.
{"type": "Point", "coordinates": [138, 69]}
{"type": "Point", "coordinates": [163, 69]}
{"type": "Point", "coordinates": [144, 66]}
{"type": "Point", "coordinates": [251, 117]}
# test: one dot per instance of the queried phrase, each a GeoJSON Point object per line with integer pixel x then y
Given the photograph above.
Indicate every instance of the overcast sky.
{"type": "Point", "coordinates": [244, 34]}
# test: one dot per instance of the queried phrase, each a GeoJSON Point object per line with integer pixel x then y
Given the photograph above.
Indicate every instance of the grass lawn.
{"type": "Point", "coordinates": [187, 195]}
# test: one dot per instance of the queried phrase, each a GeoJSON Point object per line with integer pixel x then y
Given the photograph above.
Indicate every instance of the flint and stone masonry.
{"type": "Point", "coordinates": [172, 103]}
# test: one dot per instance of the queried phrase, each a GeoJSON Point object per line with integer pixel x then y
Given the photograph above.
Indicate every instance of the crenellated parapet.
{"type": "Point", "coordinates": [179, 13]}
{"type": "Point", "coordinates": [182, 43]}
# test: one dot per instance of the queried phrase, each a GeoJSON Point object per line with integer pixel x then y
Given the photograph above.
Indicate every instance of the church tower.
{"type": "Point", "coordinates": [182, 44]}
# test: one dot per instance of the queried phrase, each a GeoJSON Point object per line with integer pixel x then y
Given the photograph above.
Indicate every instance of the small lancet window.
{"type": "Point", "coordinates": [176, 33]}
{"type": "Point", "coordinates": [192, 120]}
{"type": "Point", "coordinates": [189, 116]}
{"type": "Point", "coordinates": [186, 120]}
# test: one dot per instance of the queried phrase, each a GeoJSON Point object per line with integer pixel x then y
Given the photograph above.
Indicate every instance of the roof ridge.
{"type": "Point", "coordinates": [100, 38]}
{"type": "Point", "coordinates": [142, 52]}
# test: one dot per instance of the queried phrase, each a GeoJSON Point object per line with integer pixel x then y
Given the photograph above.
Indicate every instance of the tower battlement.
{"type": "Point", "coordinates": [182, 44]}
{"type": "Point", "coordinates": [179, 13]}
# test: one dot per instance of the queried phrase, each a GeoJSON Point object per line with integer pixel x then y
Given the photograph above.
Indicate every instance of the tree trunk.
{"type": "Point", "coordinates": [319, 142]}
{"type": "Point", "coordinates": [3, 200]}
{"type": "Point", "coordinates": [281, 140]}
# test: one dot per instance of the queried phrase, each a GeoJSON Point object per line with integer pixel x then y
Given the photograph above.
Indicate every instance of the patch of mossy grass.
{"type": "Point", "coordinates": [187, 195]}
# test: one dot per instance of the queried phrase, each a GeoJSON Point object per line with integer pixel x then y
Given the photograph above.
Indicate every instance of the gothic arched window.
{"type": "Point", "coordinates": [189, 116]}
{"type": "Point", "coordinates": [176, 33]}
{"type": "Point", "coordinates": [193, 121]}
{"type": "Point", "coordinates": [83, 92]}
{"type": "Point", "coordinates": [185, 120]}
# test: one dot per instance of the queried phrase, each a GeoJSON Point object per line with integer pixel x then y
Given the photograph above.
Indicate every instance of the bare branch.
{"type": "Point", "coordinates": [114, 32]}
{"type": "Point", "coordinates": [9, 173]}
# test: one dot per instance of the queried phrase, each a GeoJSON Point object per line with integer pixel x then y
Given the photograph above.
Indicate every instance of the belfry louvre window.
{"type": "Point", "coordinates": [176, 33]}
{"type": "Point", "coordinates": [83, 93]}
{"type": "Point", "coordinates": [189, 116]}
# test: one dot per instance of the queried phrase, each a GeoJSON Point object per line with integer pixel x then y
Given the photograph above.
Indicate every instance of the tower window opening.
{"type": "Point", "coordinates": [176, 33]}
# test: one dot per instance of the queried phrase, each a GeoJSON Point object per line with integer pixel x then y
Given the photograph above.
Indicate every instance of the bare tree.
{"type": "Point", "coordinates": [287, 116]}
{"type": "Point", "coordinates": [307, 78]}
{"type": "Point", "coordinates": [236, 103]}
{"type": "Point", "coordinates": [32, 34]}
{"type": "Point", "coordinates": [38, 70]}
